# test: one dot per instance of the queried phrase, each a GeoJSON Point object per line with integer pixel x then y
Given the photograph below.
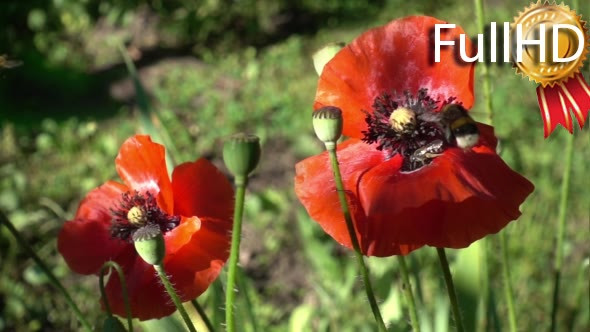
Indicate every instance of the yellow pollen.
{"type": "Point", "coordinates": [402, 119]}
{"type": "Point", "coordinates": [136, 216]}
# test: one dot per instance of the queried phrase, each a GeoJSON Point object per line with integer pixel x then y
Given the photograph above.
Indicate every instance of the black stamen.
{"type": "Point", "coordinates": [123, 229]}
{"type": "Point", "coordinates": [411, 143]}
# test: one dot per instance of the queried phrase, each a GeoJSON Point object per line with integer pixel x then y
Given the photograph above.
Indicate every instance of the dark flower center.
{"type": "Point", "coordinates": [408, 125]}
{"type": "Point", "coordinates": [137, 211]}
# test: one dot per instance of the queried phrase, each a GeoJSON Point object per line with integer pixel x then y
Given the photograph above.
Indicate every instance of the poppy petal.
{"type": "Point", "coordinates": [141, 164]}
{"type": "Point", "coordinates": [315, 188]}
{"type": "Point", "coordinates": [147, 296]}
{"type": "Point", "coordinates": [457, 199]}
{"type": "Point", "coordinates": [202, 190]}
{"type": "Point", "coordinates": [195, 250]}
{"type": "Point", "coordinates": [197, 263]}
{"type": "Point", "coordinates": [181, 235]}
{"type": "Point", "coordinates": [98, 203]}
{"type": "Point", "coordinates": [86, 242]}
{"type": "Point", "coordinates": [195, 253]}
{"type": "Point", "coordinates": [488, 141]}
{"type": "Point", "coordinates": [396, 57]}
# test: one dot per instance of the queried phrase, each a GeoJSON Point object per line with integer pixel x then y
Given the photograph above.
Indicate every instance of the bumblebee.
{"type": "Point", "coordinates": [460, 129]}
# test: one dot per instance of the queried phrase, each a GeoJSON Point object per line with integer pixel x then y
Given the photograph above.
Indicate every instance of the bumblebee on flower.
{"type": "Point", "coordinates": [418, 170]}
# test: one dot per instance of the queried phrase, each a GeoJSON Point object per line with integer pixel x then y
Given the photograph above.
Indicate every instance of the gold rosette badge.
{"type": "Point", "coordinates": [550, 45]}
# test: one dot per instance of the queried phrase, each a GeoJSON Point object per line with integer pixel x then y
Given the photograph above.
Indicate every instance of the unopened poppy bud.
{"type": "Point", "coordinates": [149, 244]}
{"type": "Point", "coordinates": [324, 55]}
{"type": "Point", "coordinates": [327, 124]}
{"type": "Point", "coordinates": [136, 216]}
{"type": "Point", "coordinates": [241, 154]}
{"type": "Point", "coordinates": [112, 324]}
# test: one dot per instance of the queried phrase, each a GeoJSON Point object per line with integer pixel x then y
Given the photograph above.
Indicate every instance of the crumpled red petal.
{"type": "Point", "coordinates": [459, 198]}
{"type": "Point", "coordinates": [85, 242]}
{"type": "Point", "coordinates": [141, 164]}
{"type": "Point", "coordinates": [397, 57]}
{"type": "Point", "coordinates": [315, 188]}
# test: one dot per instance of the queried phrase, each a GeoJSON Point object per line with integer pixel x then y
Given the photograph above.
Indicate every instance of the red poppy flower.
{"type": "Point", "coordinates": [194, 212]}
{"type": "Point", "coordinates": [414, 175]}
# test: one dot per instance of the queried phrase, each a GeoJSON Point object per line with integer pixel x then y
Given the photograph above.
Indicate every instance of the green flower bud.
{"type": "Point", "coordinates": [241, 154]}
{"type": "Point", "coordinates": [112, 324]}
{"type": "Point", "coordinates": [324, 55]}
{"type": "Point", "coordinates": [327, 124]}
{"type": "Point", "coordinates": [149, 244]}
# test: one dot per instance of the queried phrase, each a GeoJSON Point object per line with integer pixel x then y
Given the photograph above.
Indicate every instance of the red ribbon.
{"type": "Point", "coordinates": [556, 101]}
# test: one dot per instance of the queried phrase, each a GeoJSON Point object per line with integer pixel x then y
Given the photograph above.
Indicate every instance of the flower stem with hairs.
{"type": "Point", "coordinates": [444, 264]}
{"type": "Point", "coordinates": [489, 110]}
{"type": "Point", "coordinates": [103, 271]}
{"type": "Point", "coordinates": [563, 202]}
{"type": "Point", "coordinates": [203, 315]}
{"type": "Point", "coordinates": [234, 255]}
{"type": "Point", "coordinates": [241, 154]}
{"type": "Point", "coordinates": [561, 220]}
{"type": "Point", "coordinates": [485, 71]}
{"type": "Point", "coordinates": [407, 287]}
{"type": "Point", "coordinates": [170, 289]}
{"type": "Point", "coordinates": [327, 124]}
{"type": "Point", "coordinates": [508, 290]}
{"type": "Point", "coordinates": [353, 239]}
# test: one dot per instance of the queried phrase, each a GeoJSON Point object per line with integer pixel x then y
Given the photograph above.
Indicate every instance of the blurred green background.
{"type": "Point", "coordinates": [215, 67]}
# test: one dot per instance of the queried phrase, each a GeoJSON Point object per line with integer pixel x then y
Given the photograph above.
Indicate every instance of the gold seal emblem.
{"type": "Point", "coordinates": [549, 72]}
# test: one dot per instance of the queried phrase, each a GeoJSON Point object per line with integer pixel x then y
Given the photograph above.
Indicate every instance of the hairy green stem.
{"type": "Point", "coordinates": [351, 231]}
{"type": "Point", "coordinates": [203, 315]}
{"type": "Point", "coordinates": [52, 278]}
{"type": "Point", "coordinates": [103, 271]}
{"type": "Point", "coordinates": [170, 289]}
{"type": "Point", "coordinates": [240, 182]}
{"type": "Point", "coordinates": [485, 306]}
{"type": "Point", "coordinates": [216, 303]}
{"type": "Point", "coordinates": [561, 220]}
{"type": "Point", "coordinates": [409, 294]}
{"type": "Point", "coordinates": [487, 96]}
{"type": "Point", "coordinates": [444, 264]}
{"type": "Point", "coordinates": [487, 87]}
{"type": "Point", "coordinates": [508, 291]}
{"type": "Point", "coordinates": [563, 202]}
